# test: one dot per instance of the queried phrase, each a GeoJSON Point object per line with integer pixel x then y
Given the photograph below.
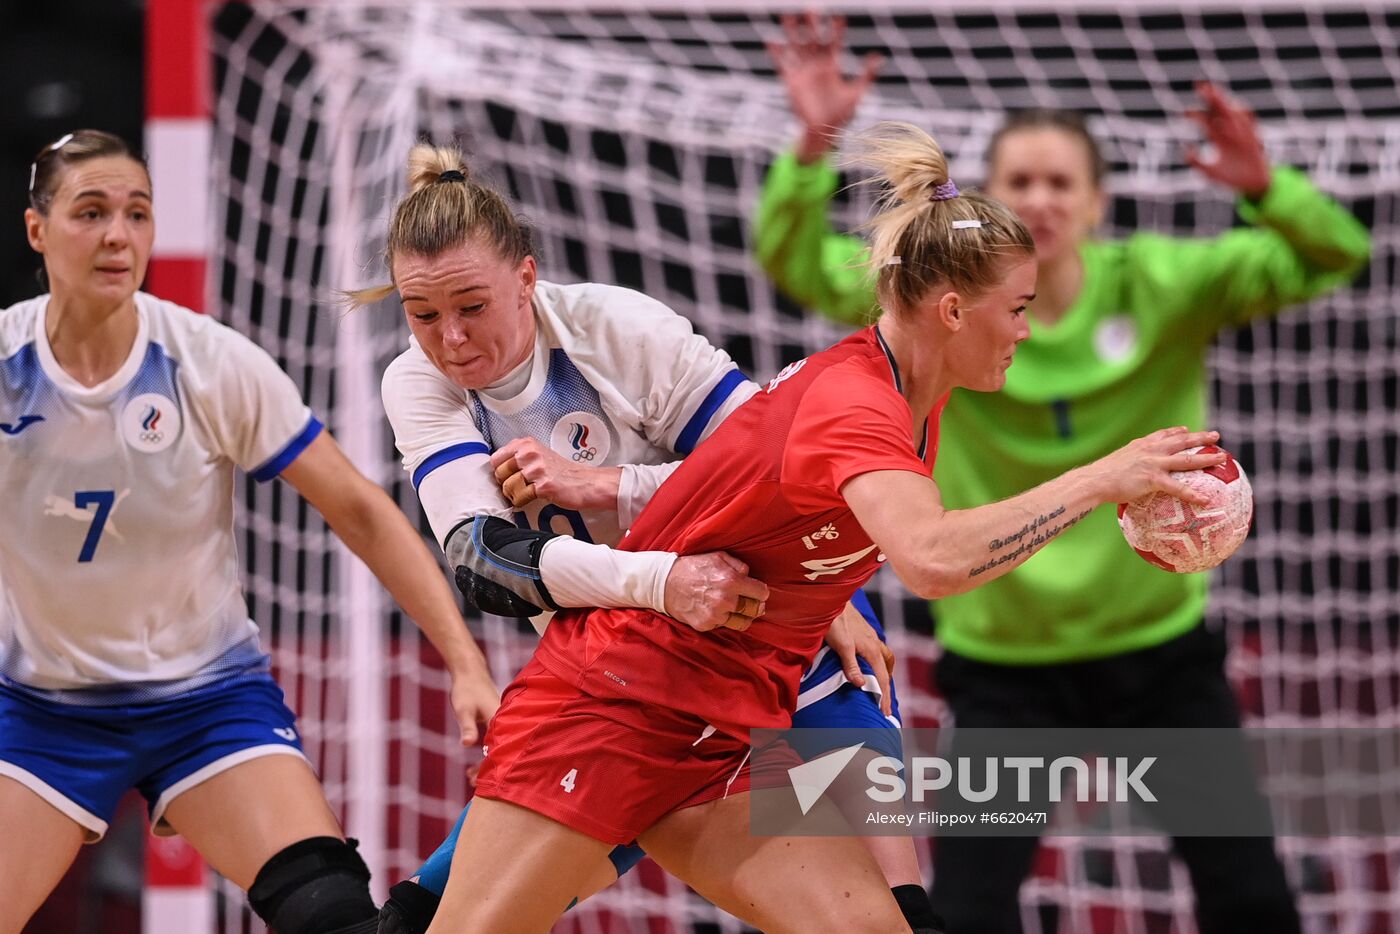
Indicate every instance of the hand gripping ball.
{"type": "Point", "coordinates": [1182, 538]}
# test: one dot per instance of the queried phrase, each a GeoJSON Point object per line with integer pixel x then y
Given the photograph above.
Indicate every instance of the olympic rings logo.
{"type": "Point", "coordinates": [587, 454]}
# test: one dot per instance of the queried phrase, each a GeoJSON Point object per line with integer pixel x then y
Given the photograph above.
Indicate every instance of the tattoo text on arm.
{"type": "Point", "coordinates": [1028, 538]}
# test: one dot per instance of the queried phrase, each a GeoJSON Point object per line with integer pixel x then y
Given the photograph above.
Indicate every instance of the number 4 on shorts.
{"type": "Point", "coordinates": [567, 782]}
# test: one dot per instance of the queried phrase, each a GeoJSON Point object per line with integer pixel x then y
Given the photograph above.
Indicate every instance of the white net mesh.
{"type": "Point", "coordinates": [636, 142]}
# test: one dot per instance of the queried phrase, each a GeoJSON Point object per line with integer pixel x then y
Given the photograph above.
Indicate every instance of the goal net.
{"type": "Point", "coordinates": [636, 138]}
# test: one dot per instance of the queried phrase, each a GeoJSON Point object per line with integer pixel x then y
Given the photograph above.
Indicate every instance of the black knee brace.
{"type": "Point", "coordinates": [315, 886]}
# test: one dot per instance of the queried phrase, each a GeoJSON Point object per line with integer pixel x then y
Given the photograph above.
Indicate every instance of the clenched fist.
{"type": "Point", "coordinates": [714, 590]}
{"type": "Point", "coordinates": [528, 470]}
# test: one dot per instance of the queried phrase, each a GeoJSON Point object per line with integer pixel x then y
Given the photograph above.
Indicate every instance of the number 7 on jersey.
{"type": "Point", "coordinates": [103, 500]}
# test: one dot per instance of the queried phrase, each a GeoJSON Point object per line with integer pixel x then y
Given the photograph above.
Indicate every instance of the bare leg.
{"type": "Point", "coordinates": [436, 869]}
{"type": "Point", "coordinates": [515, 871]}
{"type": "Point", "coordinates": [241, 818]}
{"type": "Point", "coordinates": [598, 878]}
{"type": "Point", "coordinates": [777, 884]}
{"type": "Point", "coordinates": [36, 849]}
{"type": "Point", "coordinates": [896, 856]}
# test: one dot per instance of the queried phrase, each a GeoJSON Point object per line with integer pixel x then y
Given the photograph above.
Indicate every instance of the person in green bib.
{"type": "Point", "coordinates": [1086, 633]}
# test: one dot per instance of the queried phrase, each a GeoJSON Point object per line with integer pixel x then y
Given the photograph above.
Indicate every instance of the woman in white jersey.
{"type": "Point", "coordinates": [536, 420]}
{"type": "Point", "coordinates": [127, 658]}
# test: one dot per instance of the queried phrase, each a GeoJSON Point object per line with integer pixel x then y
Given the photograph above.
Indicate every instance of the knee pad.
{"type": "Point", "coordinates": [315, 886]}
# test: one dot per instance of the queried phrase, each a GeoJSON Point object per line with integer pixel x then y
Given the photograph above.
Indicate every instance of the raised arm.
{"type": "Point", "coordinates": [795, 242]}
{"type": "Point", "coordinates": [1300, 244]}
{"type": "Point", "coordinates": [939, 553]}
{"type": "Point", "coordinates": [822, 97]}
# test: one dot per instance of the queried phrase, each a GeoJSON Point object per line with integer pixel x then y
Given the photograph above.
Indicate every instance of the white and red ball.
{"type": "Point", "coordinates": [1179, 537]}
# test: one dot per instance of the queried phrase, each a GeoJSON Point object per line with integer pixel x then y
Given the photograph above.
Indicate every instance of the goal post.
{"type": "Point", "coordinates": [176, 896]}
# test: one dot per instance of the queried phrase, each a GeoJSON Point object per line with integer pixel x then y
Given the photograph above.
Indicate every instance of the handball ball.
{"type": "Point", "coordinates": [1179, 537]}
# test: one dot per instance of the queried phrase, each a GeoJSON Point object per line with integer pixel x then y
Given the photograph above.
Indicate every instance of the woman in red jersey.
{"type": "Point", "coordinates": [629, 726]}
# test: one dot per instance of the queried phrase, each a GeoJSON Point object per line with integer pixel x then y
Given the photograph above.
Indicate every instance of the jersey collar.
{"type": "Point", "coordinates": [108, 388]}
{"type": "Point", "coordinates": [899, 383]}
{"type": "Point", "coordinates": [889, 357]}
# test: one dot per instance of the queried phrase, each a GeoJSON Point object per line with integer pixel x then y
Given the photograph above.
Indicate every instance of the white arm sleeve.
{"type": "Point", "coordinates": [583, 574]}
{"type": "Point", "coordinates": [638, 484]}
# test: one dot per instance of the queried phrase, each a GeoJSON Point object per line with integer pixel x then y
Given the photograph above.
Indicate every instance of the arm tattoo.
{"type": "Point", "coordinates": [997, 544]}
{"type": "Point", "coordinates": [1028, 539]}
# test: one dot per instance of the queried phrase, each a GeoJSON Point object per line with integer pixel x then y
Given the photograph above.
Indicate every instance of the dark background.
{"type": "Point", "coordinates": [66, 64]}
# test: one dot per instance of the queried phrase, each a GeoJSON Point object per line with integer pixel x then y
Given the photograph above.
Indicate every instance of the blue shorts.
{"type": "Point", "coordinates": [83, 759]}
{"type": "Point", "coordinates": [826, 700]}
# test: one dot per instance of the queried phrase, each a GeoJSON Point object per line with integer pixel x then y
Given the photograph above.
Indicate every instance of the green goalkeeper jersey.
{"type": "Point", "coordinates": [1127, 358]}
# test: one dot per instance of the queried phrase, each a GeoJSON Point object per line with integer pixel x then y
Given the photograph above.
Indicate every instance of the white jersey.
{"type": "Point", "coordinates": [616, 378]}
{"type": "Point", "coordinates": [118, 563]}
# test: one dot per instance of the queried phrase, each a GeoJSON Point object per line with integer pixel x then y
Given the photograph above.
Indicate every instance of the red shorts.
{"type": "Point", "coordinates": [607, 768]}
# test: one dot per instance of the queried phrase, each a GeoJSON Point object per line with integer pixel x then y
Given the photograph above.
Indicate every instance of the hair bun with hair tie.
{"type": "Point", "coordinates": [452, 175]}
{"type": "Point", "coordinates": [944, 192]}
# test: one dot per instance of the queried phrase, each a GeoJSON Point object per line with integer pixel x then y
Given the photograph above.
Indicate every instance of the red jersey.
{"type": "Point", "coordinates": [765, 487]}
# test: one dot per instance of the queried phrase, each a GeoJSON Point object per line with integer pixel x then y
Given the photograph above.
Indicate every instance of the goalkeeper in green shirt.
{"type": "Point", "coordinates": [1086, 633]}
